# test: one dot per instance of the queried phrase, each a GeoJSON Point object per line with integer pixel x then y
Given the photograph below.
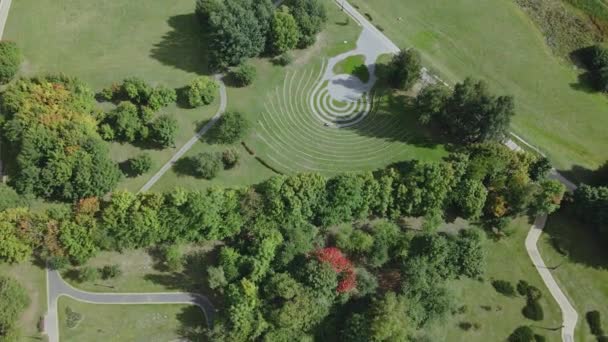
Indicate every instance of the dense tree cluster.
{"type": "Point", "coordinates": [468, 114]}
{"type": "Point", "coordinates": [51, 127]}
{"type": "Point", "coordinates": [240, 29]}
{"type": "Point", "coordinates": [133, 118]}
{"type": "Point", "coordinates": [10, 59]}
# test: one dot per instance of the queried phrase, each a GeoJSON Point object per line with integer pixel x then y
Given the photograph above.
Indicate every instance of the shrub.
{"type": "Point", "coordinates": [466, 326]}
{"type": "Point", "coordinates": [111, 271]}
{"type": "Point", "coordinates": [230, 158]}
{"type": "Point", "coordinates": [533, 293]}
{"type": "Point", "coordinates": [161, 97]}
{"type": "Point", "coordinates": [602, 339]}
{"type": "Point", "coordinates": [207, 165]}
{"type": "Point", "coordinates": [595, 322]}
{"type": "Point", "coordinates": [504, 287]}
{"type": "Point", "coordinates": [243, 75]}
{"type": "Point", "coordinates": [173, 257]}
{"type": "Point", "coordinates": [533, 310]}
{"type": "Point", "coordinates": [10, 59]}
{"type": "Point", "coordinates": [88, 274]}
{"type": "Point", "coordinates": [202, 91]}
{"type": "Point", "coordinates": [230, 128]}
{"type": "Point", "coordinates": [599, 56]}
{"type": "Point", "coordinates": [283, 59]}
{"type": "Point", "coordinates": [57, 262]}
{"type": "Point", "coordinates": [140, 164]}
{"type": "Point", "coordinates": [522, 287]}
{"type": "Point", "coordinates": [72, 317]}
{"type": "Point", "coordinates": [539, 338]}
{"type": "Point", "coordinates": [522, 334]}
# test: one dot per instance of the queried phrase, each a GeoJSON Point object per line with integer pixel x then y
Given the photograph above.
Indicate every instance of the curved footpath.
{"type": "Point", "coordinates": [569, 315]}
{"type": "Point", "coordinates": [193, 140]}
{"type": "Point", "coordinates": [57, 287]}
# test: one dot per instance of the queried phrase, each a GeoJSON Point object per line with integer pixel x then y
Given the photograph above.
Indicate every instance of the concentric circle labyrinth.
{"type": "Point", "coordinates": [305, 129]}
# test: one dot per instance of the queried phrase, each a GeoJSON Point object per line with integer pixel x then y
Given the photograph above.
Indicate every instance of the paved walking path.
{"type": "Point", "coordinates": [57, 287]}
{"type": "Point", "coordinates": [193, 140]}
{"type": "Point", "coordinates": [569, 315]}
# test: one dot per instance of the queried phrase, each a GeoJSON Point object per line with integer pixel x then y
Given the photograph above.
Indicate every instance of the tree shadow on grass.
{"type": "Point", "coordinates": [193, 327]}
{"type": "Point", "coordinates": [184, 166]}
{"type": "Point", "coordinates": [184, 46]}
{"type": "Point", "coordinates": [576, 241]}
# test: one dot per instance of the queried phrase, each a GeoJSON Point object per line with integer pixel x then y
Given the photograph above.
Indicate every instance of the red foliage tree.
{"type": "Point", "coordinates": [341, 265]}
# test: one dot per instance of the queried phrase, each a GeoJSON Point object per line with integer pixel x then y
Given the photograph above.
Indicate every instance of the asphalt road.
{"type": "Point", "coordinates": [57, 287]}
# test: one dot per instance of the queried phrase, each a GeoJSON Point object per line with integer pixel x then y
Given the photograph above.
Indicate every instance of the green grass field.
{"type": "Point", "coordinates": [506, 259]}
{"type": "Point", "coordinates": [33, 279]}
{"type": "Point", "coordinates": [106, 41]}
{"type": "Point", "coordinates": [494, 40]}
{"type": "Point", "coordinates": [580, 265]}
{"type": "Point", "coordinates": [128, 323]}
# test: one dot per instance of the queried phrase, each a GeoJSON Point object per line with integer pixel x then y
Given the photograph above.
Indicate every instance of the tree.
{"type": "Point", "coordinates": [243, 75]}
{"type": "Point", "coordinates": [10, 59]}
{"type": "Point", "coordinates": [238, 29]}
{"type": "Point", "coordinates": [430, 102]}
{"type": "Point", "coordinates": [468, 254]}
{"type": "Point", "coordinates": [111, 271]}
{"type": "Point", "coordinates": [284, 33]}
{"type": "Point", "coordinates": [540, 168]}
{"type": "Point", "coordinates": [202, 91]}
{"type": "Point", "coordinates": [229, 129]}
{"type": "Point", "coordinates": [14, 246]}
{"type": "Point", "coordinates": [216, 278]}
{"type": "Point", "coordinates": [10, 199]}
{"type": "Point", "coordinates": [207, 165]}
{"type": "Point", "coordinates": [472, 114]}
{"type": "Point", "coordinates": [78, 240]}
{"type": "Point", "coordinates": [13, 300]}
{"type": "Point", "coordinates": [310, 16]}
{"type": "Point", "coordinates": [404, 69]}
{"type": "Point", "coordinates": [470, 198]}
{"type": "Point", "coordinates": [548, 197]}
{"type": "Point", "coordinates": [163, 130]}
{"type": "Point", "coordinates": [140, 164]}
{"type": "Point", "coordinates": [591, 206]}
{"type": "Point", "coordinates": [385, 320]}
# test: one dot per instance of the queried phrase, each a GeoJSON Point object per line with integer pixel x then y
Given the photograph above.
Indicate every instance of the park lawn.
{"type": "Point", "coordinates": [353, 65]}
{"type": "Point", "coordinates": [132, 323]}
{"type": "Point", "coordinates": [506, 259]}
{"type": "Point", "coordinates": [580, 262]}
{"type": "Point", "coordinates": [103, 42]}
{"type": "Point", "coordinates": [142, 272]}
{"type": "Point", "coordinates": [495, 41]}
{"type": "Point", "coordinates": [33, 279]}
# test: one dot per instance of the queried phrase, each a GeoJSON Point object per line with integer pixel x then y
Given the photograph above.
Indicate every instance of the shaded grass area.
{"type": "Point", "coordinates": [105, 42]}
{"type": "Point", "coordinates": [33, 279]}
{"type": "Point", "coordinates": [495, 40]}
{"type": "Point", "coordinates": [353, 65]}
{"type": "Point", "coordinates": [145, 323]}
{"type": "Point", "coordinates": [496, 314]}
{"type": "Point", "coordinates": [578, 259]}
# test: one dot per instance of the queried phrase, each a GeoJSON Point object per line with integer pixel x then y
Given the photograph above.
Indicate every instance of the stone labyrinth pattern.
{"type": "Point", "coordinates": [303, 129]}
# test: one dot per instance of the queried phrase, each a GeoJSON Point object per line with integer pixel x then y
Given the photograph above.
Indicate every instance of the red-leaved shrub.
{"type": "Point", "coordinates": [341, 265]}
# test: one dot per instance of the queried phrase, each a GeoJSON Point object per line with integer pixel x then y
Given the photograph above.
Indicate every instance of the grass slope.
{"type": "Point", "coordinates": [581, 269]}
{"type": "Point", "coordinates": [495, 41]}
{"type": "Point", "coordinates": [353, 65]}
{"type": "Point", "coordinates": [106, 41]}
{"type": "Point", "coordinates": [506, 259]}
{"type": "Point", "coordinates": [132, 323]}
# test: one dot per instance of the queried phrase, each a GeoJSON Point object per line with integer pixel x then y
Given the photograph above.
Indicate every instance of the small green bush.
{"type": "Point", "coordinates": [72, 317]}
{"type": "Point", "coordinates": [207, 165]}
{"type": "Point", "coordinates": [202, 91]}
{"type": "Point", "coordinates": [522, 334]}
{"type": "Point", "coordinates": [533, 310]}
{"type": "Point", "coordinates": [243, 75]}
{"type": "Point", "coordinates": [283, 59]}
{"type": "Point", "coordinates": [140, 164]}
{"type": "Point", "coordinates": [88, 274]}
{"type": "Point", "coordinates": [57, 262]}
{"type": "Point", "coordinates": [173, 257]}
{"type": "Point", "coordinates": [466, 326]}
{"type": "Point", "coordinates": [230, 158]}
{"type": "Point", "coordinates": [522, 287]}
{"type": "Point", "coordinates": [602, 339]}
{"type": "Point", "coordinates": [10, 59]}
{"type": "Point", "coordinates": [594, 320]}
{"type": "Point", "coordinates": [504, 287]}
{"type": "Point", "coordinates": [111, 271]}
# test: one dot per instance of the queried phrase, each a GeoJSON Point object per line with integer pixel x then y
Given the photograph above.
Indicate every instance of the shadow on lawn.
{"type": "Point", "coordinates": [184, 47]}
{"type": "Point", "coordinates": [575, 241]}
{"type": "Point", "coordinates": [192, 324]}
